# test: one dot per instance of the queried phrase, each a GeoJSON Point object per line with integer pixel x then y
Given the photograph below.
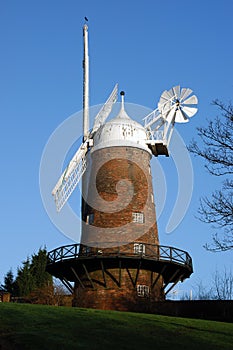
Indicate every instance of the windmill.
{"type": "Point", "coordinates": [133, 260]}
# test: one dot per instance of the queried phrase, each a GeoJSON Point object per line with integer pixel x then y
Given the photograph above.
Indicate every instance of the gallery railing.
{"type": "Point", "coordinates": [133, 249]}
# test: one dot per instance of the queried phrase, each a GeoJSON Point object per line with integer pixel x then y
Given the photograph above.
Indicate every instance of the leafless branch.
{"type": "Point", "coordinates": [215, 146]}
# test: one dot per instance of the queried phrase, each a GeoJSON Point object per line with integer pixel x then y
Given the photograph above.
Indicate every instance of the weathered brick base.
{"type": "Point", "coordinates": [121, 297]}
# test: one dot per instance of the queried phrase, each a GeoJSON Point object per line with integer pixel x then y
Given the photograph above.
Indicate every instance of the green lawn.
{"type": "Point", "coordinates": [24, 326]}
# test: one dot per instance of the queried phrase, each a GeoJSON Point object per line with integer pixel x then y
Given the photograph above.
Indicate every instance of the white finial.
{"type": "Point", "coordinates": [122, 93]}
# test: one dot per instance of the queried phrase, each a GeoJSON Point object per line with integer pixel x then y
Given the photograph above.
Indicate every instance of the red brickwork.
{"type": "Point", "coordinates": [120, 184]}
{"type": "Point", "coordinates": [111, 295]}
{"type": "Point", "coordinates": [5, 297]}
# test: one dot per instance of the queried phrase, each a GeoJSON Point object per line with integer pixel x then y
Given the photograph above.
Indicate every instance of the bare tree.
{"type": "Point", "coordinates": [223, 285]}
{"type": "Point", "coordinates": [202, 292]}
{"type": "Point", "coordinates": [216, 148]}
{"type": "Point", "coordinates": [59, 293]}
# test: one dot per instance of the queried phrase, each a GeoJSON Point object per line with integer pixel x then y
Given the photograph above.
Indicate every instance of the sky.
{"type": "Point", "coordinates": [147, 47]}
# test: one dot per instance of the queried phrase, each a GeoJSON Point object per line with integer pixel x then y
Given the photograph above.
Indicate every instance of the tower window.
{"type": "Point", "coordinates": [90, 219]}
{"type": "Point", "coordinates": [138, 217]}
{"type": "Point", "coordinates": [139, 248]}
{"type": "Point", "coordinates": [143, 290]}
{"type": "Point", "coordinates": [152, 198]}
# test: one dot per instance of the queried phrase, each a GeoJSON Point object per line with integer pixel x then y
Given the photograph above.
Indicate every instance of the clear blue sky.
{"type": "Point", "coordinates": [147, 47]}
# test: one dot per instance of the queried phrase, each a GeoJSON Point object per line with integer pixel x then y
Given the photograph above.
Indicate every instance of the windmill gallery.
{"type": "Point", "coordinates": [119, 263]}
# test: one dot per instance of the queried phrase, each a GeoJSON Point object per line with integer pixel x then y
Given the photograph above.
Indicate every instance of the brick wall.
{"type": "Point", "coordinates": [5, 297]}
{"type": "Point", "coordinates": [109, 294]}
{"type": "Point", "coordinates": [118, 183]}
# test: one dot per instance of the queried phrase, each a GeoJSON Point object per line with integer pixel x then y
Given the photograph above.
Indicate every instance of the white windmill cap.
{"type": "Point", "coordinates": [121, 131]}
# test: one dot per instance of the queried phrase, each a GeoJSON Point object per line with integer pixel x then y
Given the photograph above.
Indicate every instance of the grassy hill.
{"type": "Point", "coordinates": [24, 326]}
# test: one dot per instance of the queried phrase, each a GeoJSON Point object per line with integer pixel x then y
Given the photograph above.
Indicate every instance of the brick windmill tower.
{"type": "Point", "coordinates": [119, 263]}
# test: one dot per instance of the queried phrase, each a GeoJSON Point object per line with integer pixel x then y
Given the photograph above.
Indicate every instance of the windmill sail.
{"type": "Point", "coordinates": [105, 110]}
{"type": "Point", "coordinates": [175, 106]}
{"type": "Point", "coordinates": [70, 177]}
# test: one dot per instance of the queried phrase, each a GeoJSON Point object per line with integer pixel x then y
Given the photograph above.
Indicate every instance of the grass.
{"type": "Point", "coordinates": [24, 326]}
